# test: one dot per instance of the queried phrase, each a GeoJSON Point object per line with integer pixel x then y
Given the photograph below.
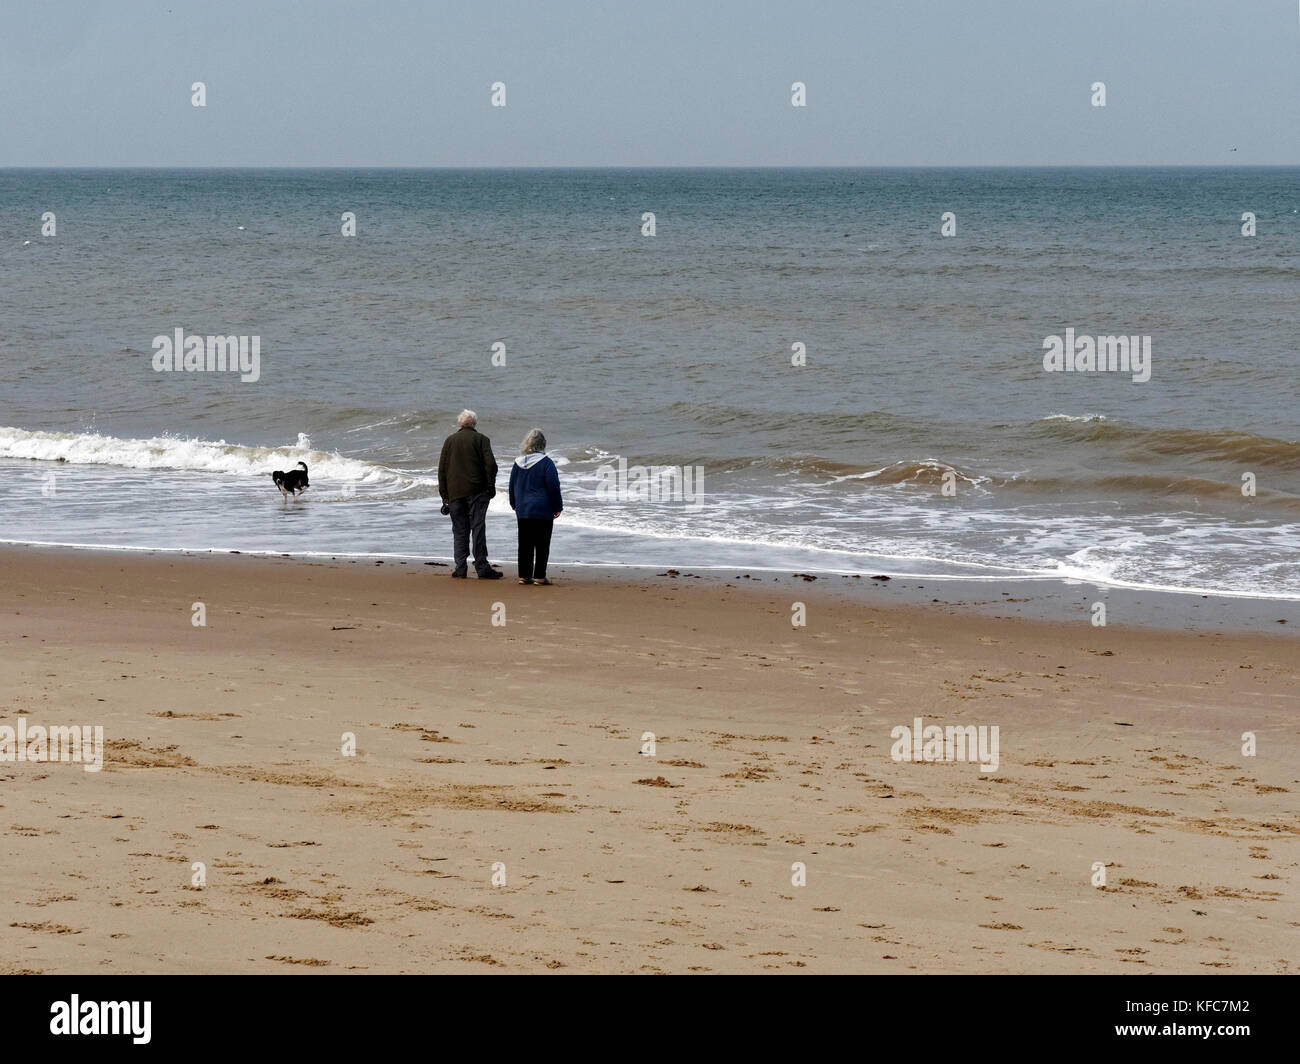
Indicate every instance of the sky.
{"type": "Point", "coordinates": [664, 83]}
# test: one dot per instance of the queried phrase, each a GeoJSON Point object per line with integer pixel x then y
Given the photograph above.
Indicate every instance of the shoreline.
{"type": "Point", "coordinates": [1039, 598]}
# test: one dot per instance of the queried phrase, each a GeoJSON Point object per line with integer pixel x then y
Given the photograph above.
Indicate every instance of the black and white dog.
{"type": "Point", "coordinates": [292, 482]}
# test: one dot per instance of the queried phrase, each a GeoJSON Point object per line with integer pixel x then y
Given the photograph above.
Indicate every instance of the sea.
{"type": "Point", "coordinates": [847, 363]}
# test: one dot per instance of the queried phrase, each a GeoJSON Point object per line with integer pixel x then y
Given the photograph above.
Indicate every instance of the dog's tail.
{"type": "Point", "coordinates": [304, 466]}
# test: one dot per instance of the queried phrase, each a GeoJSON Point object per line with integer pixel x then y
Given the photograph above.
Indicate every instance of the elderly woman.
{"type": "Point", "coordinates": [535, 499]}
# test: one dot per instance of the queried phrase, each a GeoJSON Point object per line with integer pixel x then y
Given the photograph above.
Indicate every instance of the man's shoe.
{"type": "Point", "coordinates": [459, 574]}
{"type": "Point", "coordinates": [523, 581]}
{"type": "Point", "coordinates": [491, 574]}
{"type": "Point", "coordinates": [543, 581]}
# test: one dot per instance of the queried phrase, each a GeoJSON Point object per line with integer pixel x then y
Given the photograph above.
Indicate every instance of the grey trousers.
{"type": "Point", "coordinates": [469, 517]}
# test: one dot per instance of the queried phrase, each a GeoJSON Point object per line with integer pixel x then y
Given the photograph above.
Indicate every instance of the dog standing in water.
{"type": "Point", "coordinates": [292, 482]}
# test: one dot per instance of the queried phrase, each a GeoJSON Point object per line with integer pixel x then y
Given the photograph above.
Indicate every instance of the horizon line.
{"type": "Point", "coordinates": [684, 166]}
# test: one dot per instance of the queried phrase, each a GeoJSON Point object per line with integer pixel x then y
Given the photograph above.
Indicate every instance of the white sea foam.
{"type": "Point", "coordinates": [209, 456]}
{"type": "Point", "coordinates": [809, 526]}
{"type": "Point", "coordinates": [933, 464]}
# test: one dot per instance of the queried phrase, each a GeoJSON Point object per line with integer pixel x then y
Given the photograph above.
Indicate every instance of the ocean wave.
{"type": "Point", "coordinates": [808, 472]}
{"type": "Point", "coordinates": [1241, 448]}
{"type": "Point", "coordinates": [208, 456]}
{"type": "Point", "coordinates": [1165, 486]}
{"type": "Point", "coordinates": [929, 472]}
{"type": "Point", "coordinates": [810, 467]}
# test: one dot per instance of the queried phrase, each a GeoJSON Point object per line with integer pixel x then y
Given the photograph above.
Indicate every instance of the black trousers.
{"type": "Point", "coordinates": [469, 516]}
{"type": "Point", "coordinates": [534, 546]}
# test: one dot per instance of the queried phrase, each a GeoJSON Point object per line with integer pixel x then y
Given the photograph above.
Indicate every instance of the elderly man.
{"type": "Point", "coordinates": [467, 479]}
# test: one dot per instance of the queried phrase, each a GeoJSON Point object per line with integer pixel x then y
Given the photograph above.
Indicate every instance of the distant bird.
{"type": "Point", "coordinates": [241, 228]}
{"type": "Point", "coordinates": [1234, 149]}
{"type": "Point", "coordinates": [26, 242]}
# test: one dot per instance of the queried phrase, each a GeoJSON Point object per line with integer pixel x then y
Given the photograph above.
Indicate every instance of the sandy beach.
{"type": "Point", "coordinates": [514, 751]}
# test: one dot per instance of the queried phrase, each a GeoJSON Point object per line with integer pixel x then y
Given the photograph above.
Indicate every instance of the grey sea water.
{"type": "Point", "coordinates": [924, 359]}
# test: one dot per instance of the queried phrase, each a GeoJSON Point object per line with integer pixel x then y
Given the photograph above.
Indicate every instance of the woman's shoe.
{"type": "Point", "coordinates": [523, 581]}
{"type": "Point", "coordinates": [543, 581]}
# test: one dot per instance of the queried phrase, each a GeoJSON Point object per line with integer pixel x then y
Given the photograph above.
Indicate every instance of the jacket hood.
{"type": "Point", "coordinates": [527, 461]}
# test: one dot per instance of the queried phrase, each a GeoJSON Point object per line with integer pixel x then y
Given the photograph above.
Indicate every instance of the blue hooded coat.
{"type": "Point", "coordinates": [535, 487]}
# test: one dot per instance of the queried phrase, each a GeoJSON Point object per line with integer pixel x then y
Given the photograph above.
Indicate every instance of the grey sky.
{"type": "Point", "coordinates": [666, 83]}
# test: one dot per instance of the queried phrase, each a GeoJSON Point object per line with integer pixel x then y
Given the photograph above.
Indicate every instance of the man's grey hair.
{"type": "Point", "coordinates": [467, 419]}
{"type": "Point", "coordinates": [533, 442]}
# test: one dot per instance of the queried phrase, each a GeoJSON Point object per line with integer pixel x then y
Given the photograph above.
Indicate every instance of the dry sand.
{"type": "Point", "coordinates": [521, 744]}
